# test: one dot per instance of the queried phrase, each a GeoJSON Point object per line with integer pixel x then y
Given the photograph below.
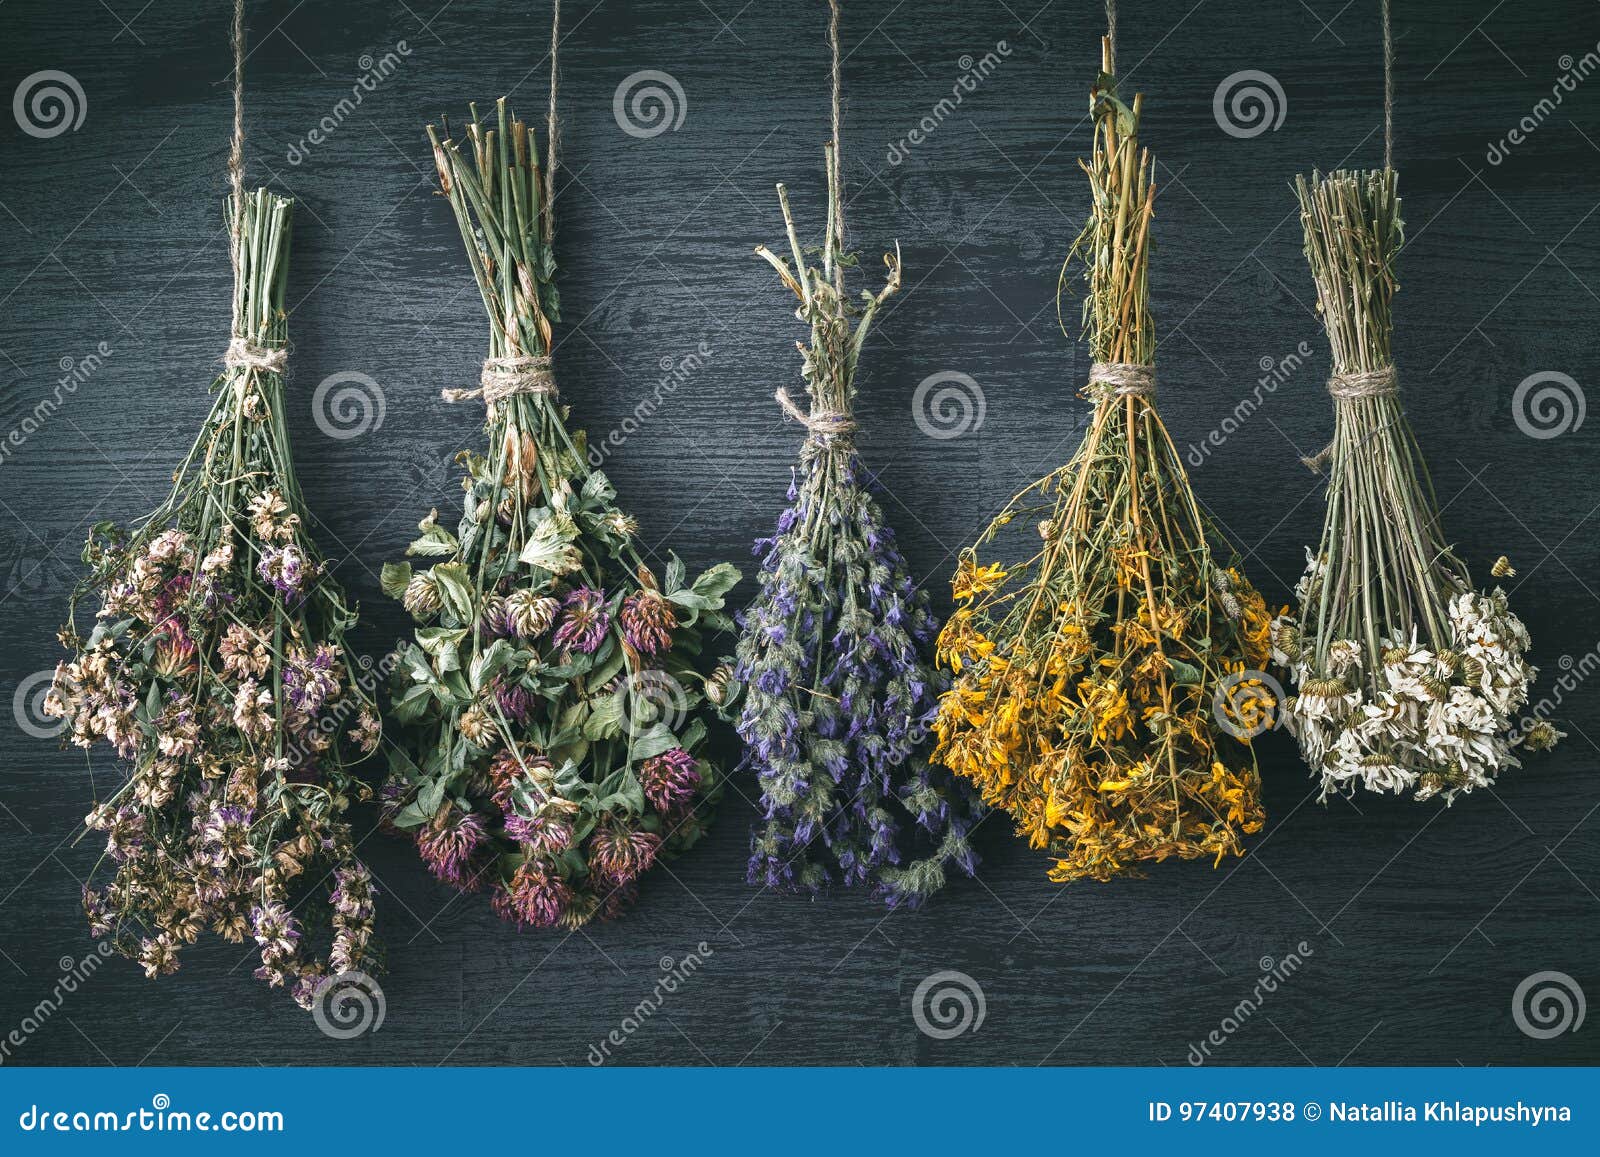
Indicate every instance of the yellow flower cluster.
{"type": "Point", "coordinates": [1084, 699]}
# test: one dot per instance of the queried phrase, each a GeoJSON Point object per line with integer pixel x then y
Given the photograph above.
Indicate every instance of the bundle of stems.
{"type": "Point", "coordinates": [1407, 676]}
{"type": "Point", "coordinates": [838, 698]}
{"type": "Point", "coordinates": [548, 701]}
{"type": "Point", "coordinates": [1100, 683]}
{"type": "Point", "coordinates": [216, 670]}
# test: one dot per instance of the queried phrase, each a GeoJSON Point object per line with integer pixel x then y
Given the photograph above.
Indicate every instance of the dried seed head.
{"type": "Point", "coordinates": [716, 688]}
{"type": "Point", "coordinates": [421, 596]}
{"type": "Point", "coordinates": [1542, 736]}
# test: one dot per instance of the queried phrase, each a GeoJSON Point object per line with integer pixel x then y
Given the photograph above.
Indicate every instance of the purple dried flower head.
{"type": "Point", "coordinates": [507, 773]}
{"type": "Point", "coordinates": [449, 843]}
{"type": "Point", "coordinates": [583, 620]}
{"type": "Point", "coordinates": [392, 797]}
{"type": "Point", "coordinates": [618, 853]}
{"type": "Point", "coordinates": [670, 779]}
{"type": "Point", "coordinates": [352, 893]}
{"type": "Point", "coordinates": [275, 928]}
{"type": "Point", "coordinates": [534, 896]}
{"type": "Point", "coordinates": [540, 835]}
{"type": "Point", "coordinates": [309, 680]}
{"type": "Point", "coordinates": [172, 594]}
{"type": "Point", "coordinates": [494, 620]}
{"type": "Point", "coordinates": [514, 700]}
{"type": "Point", "coordinates": [125, 836]}
{"type": "Point", "coordinates": [286, 568]}
{"type": "Point", "coordinates": [101, 920]}
{"type": "Point", "coordinates": [176, 653]}
{"type": "Point", "coordinates": [305, 989]}
{"type": "Point", "coordinates": [647, 621]}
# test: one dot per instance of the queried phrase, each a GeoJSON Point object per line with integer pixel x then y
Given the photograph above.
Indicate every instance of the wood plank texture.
{"type": "Point", "coordinates": [1420, 921]}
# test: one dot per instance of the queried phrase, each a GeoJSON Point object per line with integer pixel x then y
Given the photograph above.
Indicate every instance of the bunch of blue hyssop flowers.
{"type": "Point", "coordinates": [835, 700]}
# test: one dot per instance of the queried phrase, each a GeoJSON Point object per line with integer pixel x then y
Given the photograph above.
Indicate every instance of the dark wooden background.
{"type": "Point", "coordinates": [1422, 921]}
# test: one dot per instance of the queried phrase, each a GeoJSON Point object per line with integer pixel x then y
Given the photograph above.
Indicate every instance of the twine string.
{"type": "Point", "coordinates": [821, 425]}
{"type": "Point", "coordinates": [236, 152]}
{"type": "Point", "coordinates": [506, 376]}
{"type": "Point", "coordinates": [836, 171]}
{"type": "Point", "coordinates": [552, 130]}
{"type": "Point", "coordinates": [242, 352]}
{"type": "Point", "coordinates": [1388, 89]}
{"type": "Point", "coordinates": [1364, 384]}
{"type": "Point", "coordinates": [1350, 387]}
{"type": "Point", "coordinates": [1121, 380]}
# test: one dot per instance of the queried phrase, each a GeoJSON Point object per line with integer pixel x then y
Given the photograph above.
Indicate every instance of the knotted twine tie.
{"type": "Point", "coordinates": [1379, 383]}
{"type": "Point", "coordinates": [1121, 380]}
{"type": "Point", "coordinates": [822, 425]}
{"type": "Point", "coordinates": [503, 377]}
{"type": "Point", "coordinates": [243, 354]}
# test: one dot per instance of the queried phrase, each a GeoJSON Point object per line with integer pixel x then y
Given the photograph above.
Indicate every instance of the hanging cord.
{"type": "Point", "coordinates": [242, 353]}
{"type": "Point", "coordinates": [836, 171]}
{"type": "Point", "coordinates": [552, 130]}
{"type": "Point", "coordinates": [236, 154]}
{"type": "Point", "coordinates": [825, 425]}
{"type": "Point", "coordinates": [1111, 35]}
{"type": "Point", "coordinates": [1388, 89]}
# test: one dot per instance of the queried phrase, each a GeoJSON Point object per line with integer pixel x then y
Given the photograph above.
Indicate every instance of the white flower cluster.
{"type": "Point", "coordinates": [1409, 718]}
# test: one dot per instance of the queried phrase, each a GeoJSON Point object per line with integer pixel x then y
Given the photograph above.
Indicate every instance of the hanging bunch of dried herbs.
{"type": "Point", "coordinates": [837, 698]}
{"type": "Point", "coordinates": [1408, 678]}
{"type": "Point", "coordinates": [216, 669]}
{"type": "Point", "coordinates": [1100, 681]}
{"type": "Point", "coordinates": [548, 702]}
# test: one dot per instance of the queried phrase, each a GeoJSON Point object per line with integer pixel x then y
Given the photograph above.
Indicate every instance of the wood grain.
{"type": "Point", "coordinates": [1420, 922]}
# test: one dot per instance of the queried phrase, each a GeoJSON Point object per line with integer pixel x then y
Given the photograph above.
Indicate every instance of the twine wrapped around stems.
{"type": "Point", "coordinates": [826, 425]}
{"type": "Point", "coordinates": [1121, 380]}
{"type": "Point", "coordinates": [504, 376]}
{"type": "Point", "coordinates": [243, 354]}
{"type": "Point", "coordinates": [1349, 387]}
